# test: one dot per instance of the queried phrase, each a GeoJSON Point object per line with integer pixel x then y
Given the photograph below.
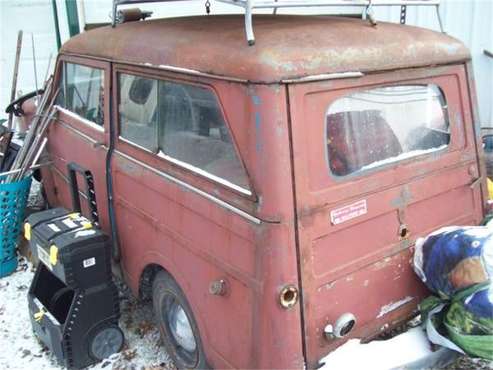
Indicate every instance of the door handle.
{"type": "Point", "coordinates": [99, 144]}
{"type": "Point", "coordinates": [475, 182]}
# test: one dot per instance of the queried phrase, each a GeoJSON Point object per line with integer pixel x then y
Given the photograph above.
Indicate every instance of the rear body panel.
{"type": "Point", "coordinates": [353, 256]}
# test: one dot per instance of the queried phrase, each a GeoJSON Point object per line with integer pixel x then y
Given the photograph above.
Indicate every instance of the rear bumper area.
{"type": "Point", "coordinates": [410, 350]}
{"type": "Point", "coordinates": [381, 296]}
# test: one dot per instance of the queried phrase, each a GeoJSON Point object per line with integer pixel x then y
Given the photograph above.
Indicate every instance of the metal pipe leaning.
{"type": "Point", "coordinates": [35, 140]}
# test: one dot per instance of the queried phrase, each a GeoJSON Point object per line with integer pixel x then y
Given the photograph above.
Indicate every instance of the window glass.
{"type": "Point", "coordinates": [138, 114]}
{"type": "Point", "coordinates": [82, 92]}
{"type": "Point", "coordinates": [179, 122]}
{"type": "Point", "coordinates": [372, 128]}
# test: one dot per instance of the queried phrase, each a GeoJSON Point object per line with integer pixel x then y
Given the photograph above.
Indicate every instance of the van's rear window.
{"type": "Point", "coordinates": [373, 128]}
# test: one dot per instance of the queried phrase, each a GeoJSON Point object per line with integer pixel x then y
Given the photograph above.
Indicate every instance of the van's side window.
{"type": "Point", "coordinates": [372, 128]}
{"type": "Point", "coordinates": [82, 92]}
{"type": "Point", "coordinates": [138, 114]}
{"type": "Point", "coordinates": [182, 123]}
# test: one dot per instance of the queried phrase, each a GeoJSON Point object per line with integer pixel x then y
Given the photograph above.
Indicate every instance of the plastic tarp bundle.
{"type": "Point", "coordinates": [456, 264]}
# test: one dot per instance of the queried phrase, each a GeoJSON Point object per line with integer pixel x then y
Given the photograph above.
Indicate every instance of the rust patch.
{"type": "Point", "coordinates": [320, 45]}
{"type": "Point", "coordinates": [403, 200]}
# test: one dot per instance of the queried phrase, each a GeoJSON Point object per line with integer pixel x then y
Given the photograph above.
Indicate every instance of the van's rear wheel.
{"type": "Point", "coordinates": [177, 325]}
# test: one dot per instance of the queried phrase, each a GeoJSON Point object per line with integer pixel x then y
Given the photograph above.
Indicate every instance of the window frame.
{"type": "Point", "coordinates": [61, 72]}
{"type": "Point", "coordinates": [169, 160]}
{"type": "Point", "coordinates": [364, 172]}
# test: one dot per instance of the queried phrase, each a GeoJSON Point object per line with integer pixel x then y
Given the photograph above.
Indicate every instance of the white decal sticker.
{"type": "Point", "coordinates": [89, 262]}
{"type": "Point", "coordinates": [340, 215]}
{"type": "Point", "coordinates": [54, 227]}
{"type": "Point", "coordinates": [69, 223]}
{"type": "Point", "coordinates": [83, 233]}
{"type": "Point", "coordinates": [44, 257]}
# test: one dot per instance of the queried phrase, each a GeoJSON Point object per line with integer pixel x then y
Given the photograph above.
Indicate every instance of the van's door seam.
{"type": "Point", "coordinates": [295, 224]}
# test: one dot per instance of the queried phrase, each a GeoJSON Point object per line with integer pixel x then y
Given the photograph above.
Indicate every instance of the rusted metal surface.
{"type": "Point", "coordinates": [363, 265]}
{"type": "Point", "coordinates": [196, 240]}
{"type": "Point", "coordinates": [263, 292]}
{"type": "Point", "coordinates": [287, 47]}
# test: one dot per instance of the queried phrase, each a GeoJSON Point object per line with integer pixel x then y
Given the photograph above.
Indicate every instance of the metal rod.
{"type": "Point", "coordinates": [248, 23]}
{"type": "Point", "coordinates": [439, 16]}
{"type": "Point", "coordinates": [14, 79]}
{"type": "Point", "coordinates": [33, 126]}
{"type": "Point", "coordinates": [38, 154]}
{"type": "Point", "coordinates": [29, 136]}
{"type": "Point", "coordinates": [300, 4]}
{"type": "Point", "coordinates": [35, 69]}
{"type": "Point", "coordinates": [24, 169]}
{"type": "Point", "coordinates": [325, 3]}
{"type": "Point", "coordinates": [35, 149]}
{"type": "Point", "coordinates": [35, 167]}
{"type": "Point", "coordinates": [36, 129]}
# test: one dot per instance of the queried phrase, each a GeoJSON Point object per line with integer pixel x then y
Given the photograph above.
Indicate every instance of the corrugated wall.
{"type": "Point", "coordinates": [472, 22]}
{"type": "Point", "coordinates": [35, 18]}
{"type": "Point", "coordinates": [469, 20]}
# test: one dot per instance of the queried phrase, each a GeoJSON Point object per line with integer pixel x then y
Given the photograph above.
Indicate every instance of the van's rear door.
{"type": "Point", "coordinates": [378, 162]}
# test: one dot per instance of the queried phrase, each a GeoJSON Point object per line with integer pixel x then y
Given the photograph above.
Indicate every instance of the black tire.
{"type": "Point", "coordinates": [166, 296]}
{"type": "Point", "coordinates": [106, 341]}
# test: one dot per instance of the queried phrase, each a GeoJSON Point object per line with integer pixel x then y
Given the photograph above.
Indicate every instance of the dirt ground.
{"type": "Point", "coordinates": [465, 363]}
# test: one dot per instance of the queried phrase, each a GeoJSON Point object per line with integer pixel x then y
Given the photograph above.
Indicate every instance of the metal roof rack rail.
{"type": "Point", "coordinates": [250, 5]}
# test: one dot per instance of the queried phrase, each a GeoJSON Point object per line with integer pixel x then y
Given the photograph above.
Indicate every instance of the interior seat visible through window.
{"type": "Point", "coordinates": [180, 122]}
{"type": "Point", "coordinates": [372, 128]}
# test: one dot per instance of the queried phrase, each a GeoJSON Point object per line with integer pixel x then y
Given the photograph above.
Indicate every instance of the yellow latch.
{"type": "Point", "coordinates": [27, 231]}
{"type": "Point", "coordinates": [490, 188]}
{"type": "Point", "coordinates": [74, 215]}
{"type": "Point", "coordinates": [38, 316]}
{"type": "Point", "coordinates": [53, 255]}
{"type": "Point", "coordinates": [86, 225]}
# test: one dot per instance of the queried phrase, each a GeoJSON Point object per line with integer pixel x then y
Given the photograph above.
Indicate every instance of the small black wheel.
{"type": "Point", "coordinates": [105, 342]}
{"type": "Point", "coordinates": [177, 324]}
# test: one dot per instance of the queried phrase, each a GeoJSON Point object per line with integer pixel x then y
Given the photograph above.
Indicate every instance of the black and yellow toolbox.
{"type": "Point", "coordinates": [73, 300]}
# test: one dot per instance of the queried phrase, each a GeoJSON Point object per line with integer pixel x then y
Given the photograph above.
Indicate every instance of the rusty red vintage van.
{"type": "Point", "coordinates": [266, 198]}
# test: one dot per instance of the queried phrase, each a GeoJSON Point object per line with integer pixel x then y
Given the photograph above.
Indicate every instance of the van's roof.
{"type": "Point", "coordinates": [287, 47]}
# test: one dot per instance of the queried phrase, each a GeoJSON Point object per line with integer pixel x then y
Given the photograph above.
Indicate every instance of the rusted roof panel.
{"type": "Point", "coordinates": [287, 47]}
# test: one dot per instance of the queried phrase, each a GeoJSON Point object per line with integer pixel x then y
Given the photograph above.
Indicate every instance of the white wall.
{"type": "Point", "coordinates": [472, 22]}
{"type": "Point", "coordinates": [469, 20]}
{"type": "Point", "coordinates": [35, 18]}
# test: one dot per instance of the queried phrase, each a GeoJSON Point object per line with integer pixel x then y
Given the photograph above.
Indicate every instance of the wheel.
{"type": "Point", "coordinates": [177, 325]}
{"type": "Point", "coordinates": [105, 342]}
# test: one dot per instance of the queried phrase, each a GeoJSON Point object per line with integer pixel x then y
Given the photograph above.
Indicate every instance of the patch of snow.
{"type": "Point", "coordinates": [19, 349]}
{"type": "Point", "coordinates": [206, 174]}
{"type": "Point", "coordinates": [477, 231]}
{"type": "Point", "coordinates": [393, 306]}
{"type": "Point", "coordinates": [401, 157]}
{"type": "Point", "coordinates": [406, 348]}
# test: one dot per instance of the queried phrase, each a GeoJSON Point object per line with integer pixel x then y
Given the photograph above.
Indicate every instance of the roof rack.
{"type": "Point", "coordinates": [250, 5]}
